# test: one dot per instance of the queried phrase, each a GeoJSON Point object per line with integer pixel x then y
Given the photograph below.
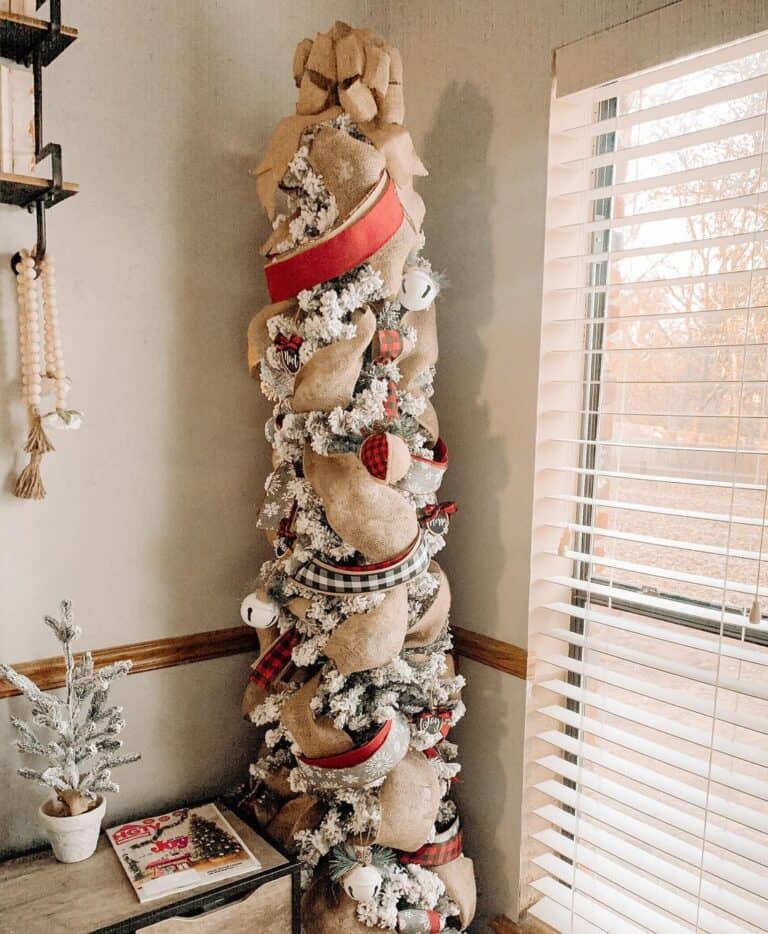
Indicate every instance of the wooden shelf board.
{"type": "Point", "coordinates": [22, 189]}
{"type": "Point", "coordinates": [19, 35]}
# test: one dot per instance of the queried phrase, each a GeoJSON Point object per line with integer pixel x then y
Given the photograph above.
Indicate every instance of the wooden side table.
{"type": "Point", "coordinates": [39, 895]}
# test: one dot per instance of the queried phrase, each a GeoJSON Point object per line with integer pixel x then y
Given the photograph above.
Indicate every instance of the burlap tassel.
{"type": "Point", "coordinates": [29, 484]}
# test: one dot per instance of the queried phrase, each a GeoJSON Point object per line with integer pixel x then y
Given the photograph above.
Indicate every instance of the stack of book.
{"type": "Point", "coordinates": [17, 106]}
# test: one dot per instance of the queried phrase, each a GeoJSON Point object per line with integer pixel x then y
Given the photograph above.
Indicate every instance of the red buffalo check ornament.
{"type": "Point", "coordinates": [385, 456]}
{"type": "Point", "coordinates": [374, 453]}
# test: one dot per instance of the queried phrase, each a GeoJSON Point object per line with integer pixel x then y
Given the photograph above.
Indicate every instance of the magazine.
{"type": "Point", "coordinates": [182, 850]}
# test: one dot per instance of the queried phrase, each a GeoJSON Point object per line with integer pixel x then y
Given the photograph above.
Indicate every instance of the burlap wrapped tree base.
{"type": "Point", "coordinates": [355, 689]}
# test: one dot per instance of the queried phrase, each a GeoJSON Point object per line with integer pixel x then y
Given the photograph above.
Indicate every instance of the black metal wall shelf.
{"type": "Point", "coordinates": [21, 35]}
{"type": "Point", "coordinates": [22, 190]}
{"type": "Point", "coordinates": [35, 43]}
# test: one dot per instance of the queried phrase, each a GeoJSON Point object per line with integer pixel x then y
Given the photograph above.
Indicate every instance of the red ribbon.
{"type": "Point", "coordinates": [433, 510]}
{"type": "Point", "coordinates": [293, 342]}
{"type": "Point", "coordinates": [346, 760]}
{"type": "Point", "coordinates": [330, 258]}
{"type": "Point", "coordinates": [436, 854]}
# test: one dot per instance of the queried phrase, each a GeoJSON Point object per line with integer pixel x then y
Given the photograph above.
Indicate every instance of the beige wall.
{"type": "Point", "coordinates": [162, 108]}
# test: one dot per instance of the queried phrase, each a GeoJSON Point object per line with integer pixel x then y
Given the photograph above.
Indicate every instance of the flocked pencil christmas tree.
{"type": "Point", "coordinates": [355, 686]}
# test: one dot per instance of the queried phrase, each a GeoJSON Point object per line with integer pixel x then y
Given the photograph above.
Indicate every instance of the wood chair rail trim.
{"type": "Point", "coordinates": [48, 673]}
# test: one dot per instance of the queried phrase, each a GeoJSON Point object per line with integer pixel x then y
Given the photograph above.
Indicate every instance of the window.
{"type": "Point", "coordinates": [648, 732]}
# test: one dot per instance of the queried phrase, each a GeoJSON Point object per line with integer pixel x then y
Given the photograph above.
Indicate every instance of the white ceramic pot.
{"type": "Point", "coordinates": [72, 838]}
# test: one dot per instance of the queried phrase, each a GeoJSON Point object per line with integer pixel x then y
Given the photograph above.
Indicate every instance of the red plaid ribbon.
{"type": "Point", "coordinates": [390, 403]}
{"type": "Point", "coordinates": [436, 854]}
{"type": "Point", "coordinates": [390, 345]}
{"type": "Point", "coordinates": [293, 342]}
{"type": "Point", "coordinates": [374, 453]}
{"type": "Point", "coordinates": [274, 659]}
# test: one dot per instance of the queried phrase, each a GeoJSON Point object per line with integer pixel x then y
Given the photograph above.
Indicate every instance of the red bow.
{"type": "Point", "coordinates": [293, 342]}
{"type": "Point", "coordinates": [433, 510]}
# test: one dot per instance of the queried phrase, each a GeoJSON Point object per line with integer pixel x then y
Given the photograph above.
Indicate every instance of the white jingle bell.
{"type": "Point", "coordinates": [258, 610]}
{"type": "Point", "coordinates": [418, 289]}
{"type": "Point", "coordinates": [362, 883]}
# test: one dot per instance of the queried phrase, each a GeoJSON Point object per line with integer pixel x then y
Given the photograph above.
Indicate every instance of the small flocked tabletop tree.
{"type": "Point", "coordinates": [85, 747]}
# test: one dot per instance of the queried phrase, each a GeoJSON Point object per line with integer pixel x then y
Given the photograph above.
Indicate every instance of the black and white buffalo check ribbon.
{"type": "Point", "coordinates": [367, 578]}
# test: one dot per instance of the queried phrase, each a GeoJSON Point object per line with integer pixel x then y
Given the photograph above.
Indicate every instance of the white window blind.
{"type": "Point", "coordinates": [648, 733]}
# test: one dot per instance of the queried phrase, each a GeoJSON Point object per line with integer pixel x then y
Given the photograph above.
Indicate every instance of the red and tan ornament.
{"type": "Point", "coordinates": [386, 457]}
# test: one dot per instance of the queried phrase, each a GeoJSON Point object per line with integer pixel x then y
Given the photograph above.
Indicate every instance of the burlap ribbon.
{"type": "Point", "coordinates": [363, 765]}
{"type": "Point", "coordinates": [354, 67]}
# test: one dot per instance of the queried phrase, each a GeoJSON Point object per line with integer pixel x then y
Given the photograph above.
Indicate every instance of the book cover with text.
{"type": "Point", "coordinates": [181, 850]}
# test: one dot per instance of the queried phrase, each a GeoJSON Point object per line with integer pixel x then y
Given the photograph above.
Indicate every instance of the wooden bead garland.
{"type": "Point", "coordinates": [61, 417]}
{"type": "Point", "coordinates": [29, 484]}
{"type": "Point", "coordinates": [40, 358]}
{"type": "Point", "coordinates": [54, 356]}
